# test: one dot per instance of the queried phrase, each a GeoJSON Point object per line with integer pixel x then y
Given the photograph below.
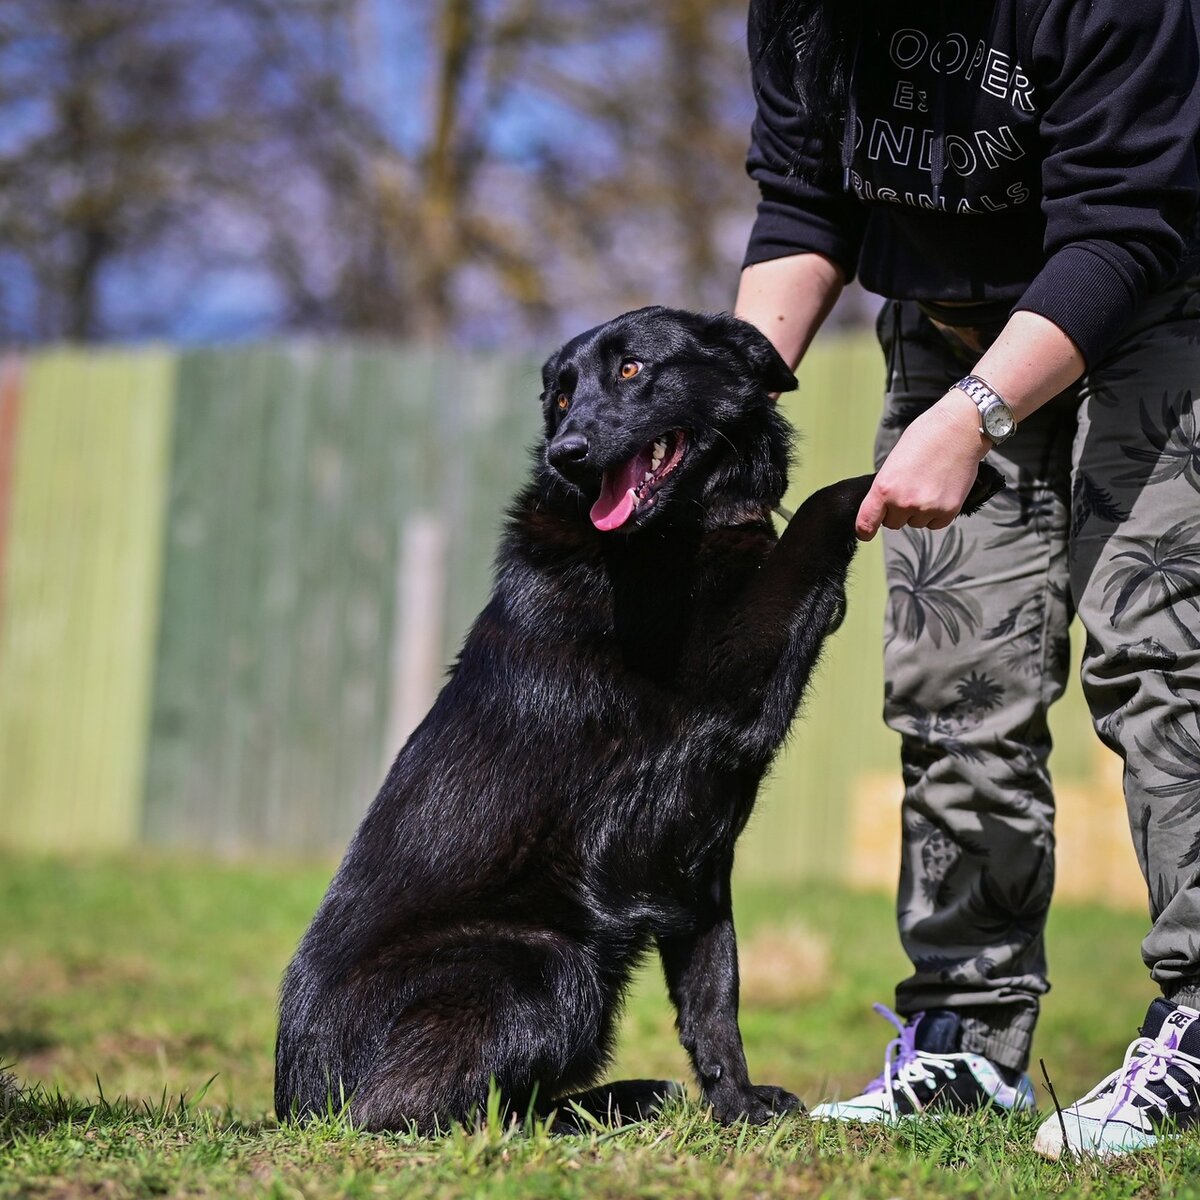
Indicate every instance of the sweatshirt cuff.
{"type": "Point", "coordinates": [1088, 297]}
{"type": "Point", "coordinates": [781, 230]}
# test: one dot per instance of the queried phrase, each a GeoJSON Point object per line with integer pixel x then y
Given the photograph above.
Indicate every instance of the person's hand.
{"type": "Point", "coordinates": [929, 472]}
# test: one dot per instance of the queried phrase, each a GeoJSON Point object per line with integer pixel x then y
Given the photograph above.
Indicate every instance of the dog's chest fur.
{"type": "Point", "coordinates": [626, 644]}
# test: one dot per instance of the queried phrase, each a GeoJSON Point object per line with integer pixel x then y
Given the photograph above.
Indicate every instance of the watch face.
{"type": "Point", "coordinates": [998, 422]}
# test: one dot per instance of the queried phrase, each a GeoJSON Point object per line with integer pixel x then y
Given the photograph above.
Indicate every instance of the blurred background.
{"type": "Point", "coordinates": [275, 280]}
{"type": "Point", "coordinates": [473, 172]}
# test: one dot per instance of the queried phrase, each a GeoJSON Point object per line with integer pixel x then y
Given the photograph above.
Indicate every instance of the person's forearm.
{"type": "Point", "coordinates": [1030, 362]}
{"type": "Point", "coordinates": [930, 470]}
{"type": "Point", "coordinates": [788, 298]}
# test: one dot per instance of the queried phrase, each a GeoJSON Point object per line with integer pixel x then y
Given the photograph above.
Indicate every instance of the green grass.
{"type": "Point", "coordinates": [125, 985]}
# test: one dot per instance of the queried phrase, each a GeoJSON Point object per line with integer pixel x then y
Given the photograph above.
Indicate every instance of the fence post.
{"type": "Point", "coordinates": [416, 658]}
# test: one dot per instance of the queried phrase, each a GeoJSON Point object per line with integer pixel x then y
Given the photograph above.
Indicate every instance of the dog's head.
{"type": "Point", "coordinates": [659, 410]}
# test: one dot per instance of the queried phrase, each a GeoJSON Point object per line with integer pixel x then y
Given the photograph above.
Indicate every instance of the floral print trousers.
{"type": "Point", "coordinates": [1101, 519]}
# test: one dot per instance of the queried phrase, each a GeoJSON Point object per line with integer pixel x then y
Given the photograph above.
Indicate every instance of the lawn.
{"type": "Point", "coordinates": [125, 985]}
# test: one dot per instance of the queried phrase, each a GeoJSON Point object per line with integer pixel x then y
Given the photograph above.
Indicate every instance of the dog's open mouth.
{"type": "Point", "coordinates": [630, 488]}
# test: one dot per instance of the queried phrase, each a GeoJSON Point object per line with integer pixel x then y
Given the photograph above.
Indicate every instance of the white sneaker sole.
{"type": "Point", "coordinates": [1087, 1137]}
{"type": "Point", "coordinates": [860, 1116]}
{"type": "Point", "coordinates": [869, 1116]}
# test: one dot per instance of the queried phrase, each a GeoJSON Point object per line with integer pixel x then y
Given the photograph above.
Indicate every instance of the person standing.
{"type": "Point", "coordinates": [1019, 179]}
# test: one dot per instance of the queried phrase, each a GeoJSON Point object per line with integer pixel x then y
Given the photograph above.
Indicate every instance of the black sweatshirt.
{"type": "Point", "coordinates": [1038, 152]}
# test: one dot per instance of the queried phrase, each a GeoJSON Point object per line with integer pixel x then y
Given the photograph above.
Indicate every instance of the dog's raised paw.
{"type": "Point", "coordinates": [988, 481]}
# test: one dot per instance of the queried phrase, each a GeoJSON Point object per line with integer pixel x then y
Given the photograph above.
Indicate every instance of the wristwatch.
{"type": "Point", "coordinates": [996, 419]}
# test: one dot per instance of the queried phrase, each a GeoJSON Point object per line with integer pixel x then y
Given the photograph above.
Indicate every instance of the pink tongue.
{"type": "Point", "coordinates": [616, 503]}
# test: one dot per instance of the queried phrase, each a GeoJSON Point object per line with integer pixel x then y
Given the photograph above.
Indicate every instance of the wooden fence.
{"type": "Point", "coordinates": [230, 580]}
{"type": "Point", "coordinates": [80, 550]}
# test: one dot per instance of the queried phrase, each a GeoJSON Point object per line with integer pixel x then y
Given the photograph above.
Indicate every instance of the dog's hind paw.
{"type": "Point", "coordinates": [988, 481]}
{"type": "Point", "coordinates": [624, 1102]}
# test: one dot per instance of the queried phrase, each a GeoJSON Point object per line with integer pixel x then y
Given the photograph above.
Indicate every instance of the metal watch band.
{"type": "Point", "coordinates": [996, 419]}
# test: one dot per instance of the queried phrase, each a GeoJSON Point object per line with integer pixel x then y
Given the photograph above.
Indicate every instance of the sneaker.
{"type": "Point", "coordinates": [1155, 1091]}
{"type": "Point", "coordinates": [925, 1071]}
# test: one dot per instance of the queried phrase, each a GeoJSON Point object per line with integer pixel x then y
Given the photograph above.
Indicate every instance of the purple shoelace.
{"type": "Point", "coordinates": [901, 1050]}
{"type": "Point", "coordinates": [1148, 1061]}
{"type": "Point", "coordinates": [1148, 1067]}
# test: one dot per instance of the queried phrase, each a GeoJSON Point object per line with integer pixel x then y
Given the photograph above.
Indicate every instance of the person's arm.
{"type": "Point", "coordinates": [931, 468]}
{"type": "Point", "coordinates": [803, 247]}
{"type": "Point", "coordinates": [788, 299]}
{"type": "Point", "coordinates": [1120, 117]}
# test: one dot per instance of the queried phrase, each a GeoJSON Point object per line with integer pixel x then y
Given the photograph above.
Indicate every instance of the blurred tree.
{"type": "Point", "coordinates": [473, 169]}
{"type": "Point", "coordinates": [96, 153]}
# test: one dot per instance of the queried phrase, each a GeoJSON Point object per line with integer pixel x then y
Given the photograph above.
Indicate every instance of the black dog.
{"type": "Point", "coordinates": [577, 789]}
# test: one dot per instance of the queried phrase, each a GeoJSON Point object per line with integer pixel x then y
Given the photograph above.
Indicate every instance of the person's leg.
{"type": "Point", "coordinates": [1135, 568]}
{"type": "Point", "coordinates": [976, 651]}
{"type": "Point", "coordinates": [1135, 572]}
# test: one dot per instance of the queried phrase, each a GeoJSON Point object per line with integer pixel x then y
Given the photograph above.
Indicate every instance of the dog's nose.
{"type": "Point", "coordinates": [569, 450]}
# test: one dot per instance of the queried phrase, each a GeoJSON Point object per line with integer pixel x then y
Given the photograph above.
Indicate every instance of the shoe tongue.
{"type": "Point", "coordinates": [1175, 1025]}
{"type": "Point", "coordinates": [939, 1031]}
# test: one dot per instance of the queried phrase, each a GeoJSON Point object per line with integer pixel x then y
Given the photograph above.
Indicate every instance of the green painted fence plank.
{"type": "Point", "coordinates": [292, 466]}
{"type": "Point", "coordinates": [12, 380]}
{"type": "Point", "coordinates": [81, 587]}
{"type": "Point", "coordinates": [182, 709]}
{"type": "Point", "coordinates": [498, 417]}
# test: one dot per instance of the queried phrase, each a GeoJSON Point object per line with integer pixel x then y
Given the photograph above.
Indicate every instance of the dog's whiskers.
{"type": "Point", "coordinates": [736, 453]}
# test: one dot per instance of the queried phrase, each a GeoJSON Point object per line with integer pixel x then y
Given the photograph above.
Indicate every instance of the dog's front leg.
{"type": "Point", "coordinates": [702, 977]}
{"type": "Point", "coordinates": [763, 654]}
{"type": "Point", "coordinates": [799, 592]}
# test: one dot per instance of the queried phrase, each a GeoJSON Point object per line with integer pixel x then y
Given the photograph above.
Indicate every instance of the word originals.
{"type": "Point", "coordinates": [1015, 193]}
{"type": "Point", "coordinates": [998, 74]}
{"type": "Point", "coordinates": [898, 142]}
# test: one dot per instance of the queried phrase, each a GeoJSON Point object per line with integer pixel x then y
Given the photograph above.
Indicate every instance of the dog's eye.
{"type": "Point", "coordinates": [564, 401]}
{"type": "Point", "coordinates": [629, 368]}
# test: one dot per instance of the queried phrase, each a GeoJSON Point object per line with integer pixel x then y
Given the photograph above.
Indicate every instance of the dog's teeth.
{"type": "Point", "coordinates": [660, 447]}
{"type": "Point", "coordinates": [648, 475]}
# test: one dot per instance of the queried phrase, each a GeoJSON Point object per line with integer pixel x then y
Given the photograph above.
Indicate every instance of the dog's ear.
{"type": "Point", "coordinates": [550, 370]}
{"type": "Point", "coordinates": [753, 347]}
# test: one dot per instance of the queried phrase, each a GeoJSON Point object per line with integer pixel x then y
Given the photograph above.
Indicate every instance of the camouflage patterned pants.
{"type": "Point", "coordinates": [1101, 519]}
